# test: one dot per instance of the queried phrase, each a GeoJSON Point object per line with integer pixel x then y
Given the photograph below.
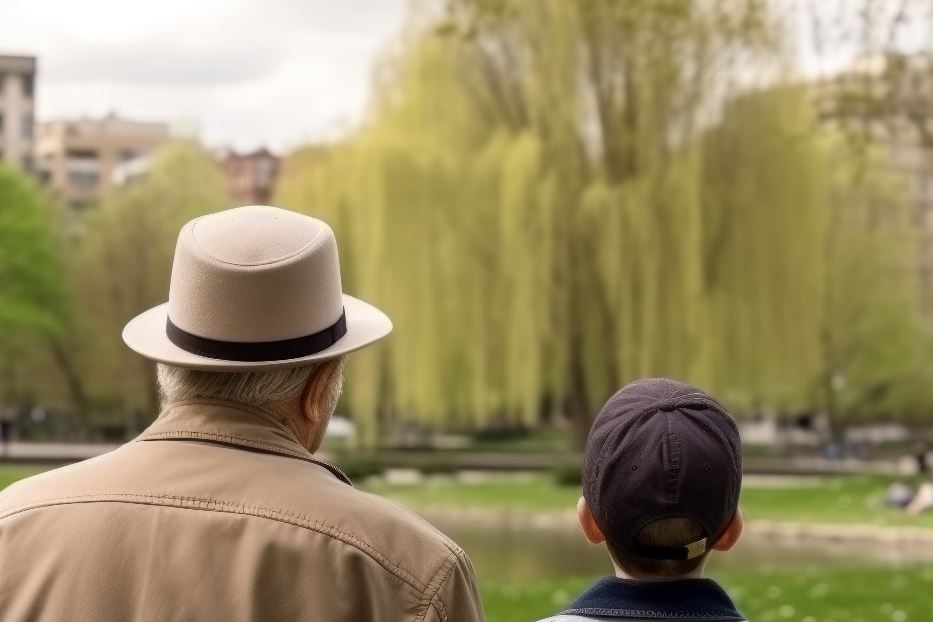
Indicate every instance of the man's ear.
{"type": "Point", "coordinates": [590, 529]}
{"type": "Point", "coordinates": [732, 533]}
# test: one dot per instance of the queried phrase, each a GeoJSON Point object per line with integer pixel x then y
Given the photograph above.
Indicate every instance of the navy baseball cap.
{"type": "Point", "coordinates": [661, 449]}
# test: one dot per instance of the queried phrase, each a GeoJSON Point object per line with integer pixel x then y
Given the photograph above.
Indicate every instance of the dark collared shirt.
{"type": "Point", "coordinates": [685, 600]}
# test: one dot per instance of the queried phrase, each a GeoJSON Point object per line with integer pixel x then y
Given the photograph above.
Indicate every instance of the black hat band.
{"type": "Point", "coordinates": [285, 349]}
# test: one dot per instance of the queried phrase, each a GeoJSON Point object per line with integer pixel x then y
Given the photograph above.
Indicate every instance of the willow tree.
{"type": "Point", "coordinates": [122, 267]}
{"type": "Point", "coordinates": [525, 201]}
{"type": "Point", "coordinates": [766, 207]}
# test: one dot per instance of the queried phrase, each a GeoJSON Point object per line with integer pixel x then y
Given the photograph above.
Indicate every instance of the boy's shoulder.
{"type": "Point", "coordinates": [562, 617]}
{"type": "Point", "coordinates": [612, 600]}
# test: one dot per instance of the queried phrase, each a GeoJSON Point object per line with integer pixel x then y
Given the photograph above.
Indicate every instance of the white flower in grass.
{"type": "Point", "coordinates": [819, 590]}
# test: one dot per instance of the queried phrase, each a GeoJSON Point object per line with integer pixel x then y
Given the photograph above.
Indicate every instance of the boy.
{"type": "Point", "coordinates": [661, 478]}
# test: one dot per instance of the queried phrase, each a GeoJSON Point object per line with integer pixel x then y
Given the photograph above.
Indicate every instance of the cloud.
{"type": "Point", "coordinates": [162, 60]}
{"type": "Point", "coordinates": [244, 72]}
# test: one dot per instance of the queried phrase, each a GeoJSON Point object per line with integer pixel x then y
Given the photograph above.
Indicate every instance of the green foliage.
{"type": "Point", "coordinates": [544, 208]}
{"type": "Point", "coordinates": [765, 203]}
{"type": "Point", "coordinates": [437, 466]}
{"type": "Point", "coordinates": [359, 468]}
{"type": "Point", "coordinates": [569, 475]}
{"type": "Point", "coordinates": [123, 264]}
{"type": "Point", "coordinates": [874, 343]}
{"type": "Point", "coordinates": [526, 206]}
{"type": "Point", "coordinates": [34, 309]}
{"type": "Point", "coordinates": [31, 293]}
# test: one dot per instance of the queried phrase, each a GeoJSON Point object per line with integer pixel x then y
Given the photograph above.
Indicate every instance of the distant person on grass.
{"type": "Point", "coordinates": [220, 510]}
{"type": "Point", "coordinates": [661, 480]}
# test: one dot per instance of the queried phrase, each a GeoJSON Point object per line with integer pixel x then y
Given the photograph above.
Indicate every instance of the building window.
{"type": "Point", "coordinates": [86, 180]}
{"type": "Point", "coordinates": [29, 85]}
{"type": "Point", "coordinates": [83, 168]}
{"type": "Point", "coordinates": [82, 154]}
{"type": "Point", "coordinates": [264, 168]}
{"type": "Point", "coordinates": [28, 126]}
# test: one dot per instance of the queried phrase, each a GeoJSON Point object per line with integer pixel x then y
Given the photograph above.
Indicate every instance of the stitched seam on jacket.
{"type": "Point", "coordinates": [440, 609]}
{"type": "Point", "coordinates": [440, 578]}
{"type": "Point", "coordinates": [247, 408]}
{"type": "Point", "coordinates": [250, 444]}
{"type": "Point", "coordinates": [198, 503]}
{"type": "Point", "coordinates": [238, 406]}
{"type": "Point", "coordinates": [181, 435]}
{"type": "Point", "coordinates": [450, 545]}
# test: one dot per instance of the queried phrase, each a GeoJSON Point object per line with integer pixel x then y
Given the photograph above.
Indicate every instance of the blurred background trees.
{"type": "Point", "coordinates": [33, 307]}
{"type": "Point", "coordinates": [123, 266]}
{"type": "Point", "coordinates": [69, 288]}
{"type": "Point", "coordinates": [551, 198]}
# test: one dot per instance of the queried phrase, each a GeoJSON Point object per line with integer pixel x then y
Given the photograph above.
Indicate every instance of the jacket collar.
{"type": "Point", "coordinates": [680, 599]}
{"type": "Point", "coordinates": [231, 424]}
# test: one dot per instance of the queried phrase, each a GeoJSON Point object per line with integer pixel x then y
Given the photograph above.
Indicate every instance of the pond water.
{"type": "Point", "coordinates": [512, 552]}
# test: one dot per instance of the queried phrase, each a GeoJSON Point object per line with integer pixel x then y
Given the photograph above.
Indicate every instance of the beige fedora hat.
{"type": "Point", "coordinates": [255, 287]}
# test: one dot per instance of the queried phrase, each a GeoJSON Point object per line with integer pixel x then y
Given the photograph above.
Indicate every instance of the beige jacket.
{"type": "Point", "coordinates": [216, 512]}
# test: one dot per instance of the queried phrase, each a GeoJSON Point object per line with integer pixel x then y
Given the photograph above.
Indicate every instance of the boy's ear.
{"type": "Point", "coordinates": [732, 533]}
{"type": "Point", "coordinates": [590, 529]}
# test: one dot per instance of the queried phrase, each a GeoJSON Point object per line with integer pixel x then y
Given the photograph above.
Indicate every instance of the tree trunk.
{"type": "Point", "coordinates": [66, 365]}
{"type": "Point", "coordinates": [577, 402]}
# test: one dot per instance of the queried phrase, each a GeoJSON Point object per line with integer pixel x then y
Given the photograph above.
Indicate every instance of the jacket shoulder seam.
{"type": "Point", "coordinates": [431, 593]}
{"type": "Point", "coordinates": [216, 505]}
{"type": "Point", "coordinates": [194, 434]}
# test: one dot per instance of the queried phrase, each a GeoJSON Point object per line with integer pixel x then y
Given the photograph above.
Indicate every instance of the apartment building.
{"type": "Point", "coordinates": [17, 110]}
{"type": "Point", "coordinates": [77, 158]}
{"type": "Point", "coordinates": [250, 176]}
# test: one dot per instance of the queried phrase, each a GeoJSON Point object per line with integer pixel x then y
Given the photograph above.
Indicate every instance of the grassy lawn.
{"type": "Point", "coordinates": [10, 473]}
{"type": "Point", "coordinates": [840, 499]}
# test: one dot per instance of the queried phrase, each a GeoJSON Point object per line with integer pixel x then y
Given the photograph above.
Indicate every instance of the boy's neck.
{"type": "Point", "coordinates": [696, 573]}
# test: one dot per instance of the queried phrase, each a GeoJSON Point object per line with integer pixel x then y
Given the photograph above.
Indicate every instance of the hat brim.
{"type": "Point", "coordinates": [146, 335]}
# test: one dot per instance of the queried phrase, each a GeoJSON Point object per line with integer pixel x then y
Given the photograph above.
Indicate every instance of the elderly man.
{"type": "Point", "coordinates": [219, 510]}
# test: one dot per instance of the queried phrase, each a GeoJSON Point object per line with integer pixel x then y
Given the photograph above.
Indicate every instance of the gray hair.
{"type": "Point", "coordinates": [267, 389]}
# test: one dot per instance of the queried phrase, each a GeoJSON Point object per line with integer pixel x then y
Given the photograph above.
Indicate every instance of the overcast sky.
{"type": "Point", "coordinates": [240, 72]}
{"type": "Point", "coordinates": [246, 73]}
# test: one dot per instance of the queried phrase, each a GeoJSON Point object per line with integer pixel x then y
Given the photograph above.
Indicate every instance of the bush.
{"type": "Point", "coordinates": [437, 467]}
{"type": "Point", "coordinates": [568, 475]}
{"type": "Point", "coordinates": [360, 468]}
